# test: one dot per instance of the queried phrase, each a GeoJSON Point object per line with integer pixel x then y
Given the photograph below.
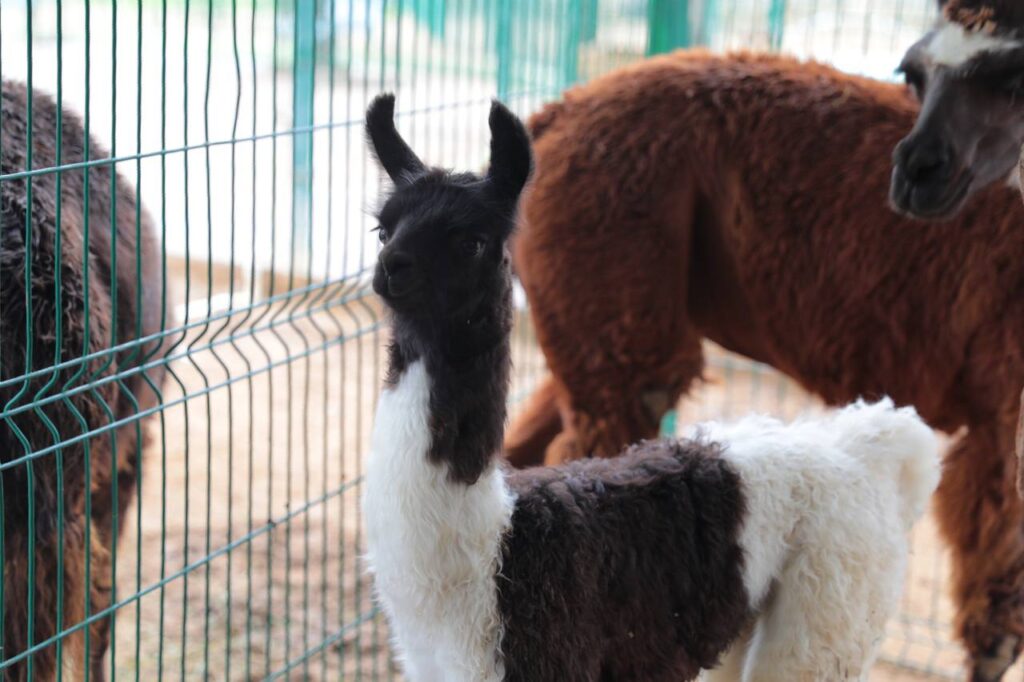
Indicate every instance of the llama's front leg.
{"type": "Point", "coordinates": [981, 516]}
{"type": "Point", "coordinates": [416, 656]}
{"type": "Point", "coordinates": [825, 612]}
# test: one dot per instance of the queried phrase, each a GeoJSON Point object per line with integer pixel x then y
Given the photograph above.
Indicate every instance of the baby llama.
{"type": "Point", "coordinates": [647, 566]}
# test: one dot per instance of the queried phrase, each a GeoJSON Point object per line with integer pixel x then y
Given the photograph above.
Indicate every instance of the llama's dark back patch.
{"type": "Point", "coordinates": [625, 569]}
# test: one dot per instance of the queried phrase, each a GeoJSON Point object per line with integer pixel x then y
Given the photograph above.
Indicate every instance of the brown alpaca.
{"type": "Point", "coordinates": [743, 199]}
{"type": "Point", "coordinates": [133, 314]}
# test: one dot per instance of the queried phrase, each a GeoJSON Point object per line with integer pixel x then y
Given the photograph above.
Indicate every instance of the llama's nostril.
{"type": "Point", "coordinates": [399, 269]}
{"type": "Point", "coordinates": [927, 163]}
{"type": "Point", "coordinates": [926, 170]}
{"type": "Point", "coordinates": [397, 263]}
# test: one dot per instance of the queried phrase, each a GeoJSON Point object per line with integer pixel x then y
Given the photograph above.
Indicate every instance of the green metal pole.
{"type": "Point", "coordinates": [503, 46]}
{"type": "Point", "coordinates": [668, 25]}
{"type": "Point", "coordinates": [431, 14]}
{"type": "Point", "coordinates": [669, 425]}
{"type": "Point", "coordinates": [302, 120]}
{"type": "Point", "coordinates": [571, 44]}
{"type": "Point", "coordinates": [588, 28]}
{"type": "Point", "coordinates": [776, 22]}
{"type": "Point", "coordinates": [708, 22]}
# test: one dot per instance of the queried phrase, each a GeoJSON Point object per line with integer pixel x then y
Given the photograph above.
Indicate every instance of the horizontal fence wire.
{"type": "Point", "coordinates": [190, 349]}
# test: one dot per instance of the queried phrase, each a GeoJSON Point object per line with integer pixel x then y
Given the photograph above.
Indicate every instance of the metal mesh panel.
{"type": "Point", "coordinates": [236, 124]}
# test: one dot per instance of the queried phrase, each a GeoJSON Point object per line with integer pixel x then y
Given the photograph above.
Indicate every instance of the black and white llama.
{"type": "Point", "coordinates": [643, 567]}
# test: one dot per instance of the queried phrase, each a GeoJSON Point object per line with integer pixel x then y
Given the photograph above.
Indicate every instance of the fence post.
{"type": "Point", "coordinates": [669, 425]}
{"type": "Point", "coordinates": [570, 58]}
{"type": "Point", "coordinates": [668, 25]}
{"type": "Point", "coordinates": [430, 13]}
{"type": "Point", "coordinates": [302, 118]}
{"type": "Point", "coordinates": [588, 22]}
{"type": "Point", "coordinates": [708, 22]}
{"type": "Point", "coordinates": [503, 46]}
{"type": "Point", "coordinates": [776, 23]}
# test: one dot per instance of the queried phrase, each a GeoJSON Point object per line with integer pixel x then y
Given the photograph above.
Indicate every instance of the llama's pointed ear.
{"type": "Point", "coordinates": [511, 159]}
{"type": "Point", "coordinates": [398, 160]}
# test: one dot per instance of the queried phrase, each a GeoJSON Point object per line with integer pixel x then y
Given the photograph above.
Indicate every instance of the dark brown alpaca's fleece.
{"type": "Point", "coordinates": [675, 587]}
{"type": "Point", "coordinates": [743, 199]}
{"type": "Point", "coordinates": [132, 314]}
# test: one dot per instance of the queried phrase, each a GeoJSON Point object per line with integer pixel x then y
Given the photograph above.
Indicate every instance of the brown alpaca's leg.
{"type": "Point", "coordinates": [607, 274]}
{"type": "Point", "coordinates": [981, 516]}
{"type": "Point", "coordinates": [535, 427]}
{"type": "Point", "coordinates": [620, 405]}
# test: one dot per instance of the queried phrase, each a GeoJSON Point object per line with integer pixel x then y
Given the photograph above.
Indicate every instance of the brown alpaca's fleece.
{"type": "Point", "coordinates": [743, 199]}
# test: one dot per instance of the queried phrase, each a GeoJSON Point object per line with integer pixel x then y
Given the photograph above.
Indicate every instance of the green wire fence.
{"type": "Point", "coordinates": [238, 125]}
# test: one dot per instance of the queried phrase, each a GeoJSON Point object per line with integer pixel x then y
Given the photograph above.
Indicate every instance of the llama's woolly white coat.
{"type": "Point", "coordinates": [829, 503]}
{"type": "Point", "coordinates": [434, 544]}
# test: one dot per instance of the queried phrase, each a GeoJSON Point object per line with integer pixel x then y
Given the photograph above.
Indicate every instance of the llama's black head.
{"type": "Point", "coordinates": [968, 74]}
{"type": "Point", "coordinates": [444, 234]}
{"type": "Point", "coordinates": [444, 273]}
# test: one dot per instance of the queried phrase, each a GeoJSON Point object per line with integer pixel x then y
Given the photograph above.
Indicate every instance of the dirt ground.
{"type": "Point", "coordinates": [260, 469]}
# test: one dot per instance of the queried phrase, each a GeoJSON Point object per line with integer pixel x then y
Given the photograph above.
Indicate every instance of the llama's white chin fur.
{"type": "Point", "coordinates": [434, 545]}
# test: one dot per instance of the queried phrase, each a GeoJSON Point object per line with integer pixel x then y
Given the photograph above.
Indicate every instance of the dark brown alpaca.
{"type": "Point", "coordinates": [90, 318]}
{"type": "Point", "coordinates": [744, 199]}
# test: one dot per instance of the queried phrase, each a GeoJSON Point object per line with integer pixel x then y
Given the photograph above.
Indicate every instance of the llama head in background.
{"type": "Point", "coordinates": [968, 74]}
{"type": "Point", "coordinates": [443, 233]}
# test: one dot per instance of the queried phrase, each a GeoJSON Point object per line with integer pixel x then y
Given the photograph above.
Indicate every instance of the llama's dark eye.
{"type": "Point", "coordinates": [472, 246]}
{"type": "Point", "coordinates": [382, 234]}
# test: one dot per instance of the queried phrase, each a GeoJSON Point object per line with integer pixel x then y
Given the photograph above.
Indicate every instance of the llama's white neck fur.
{"type": "Point", "coordinates": [434, 544]}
